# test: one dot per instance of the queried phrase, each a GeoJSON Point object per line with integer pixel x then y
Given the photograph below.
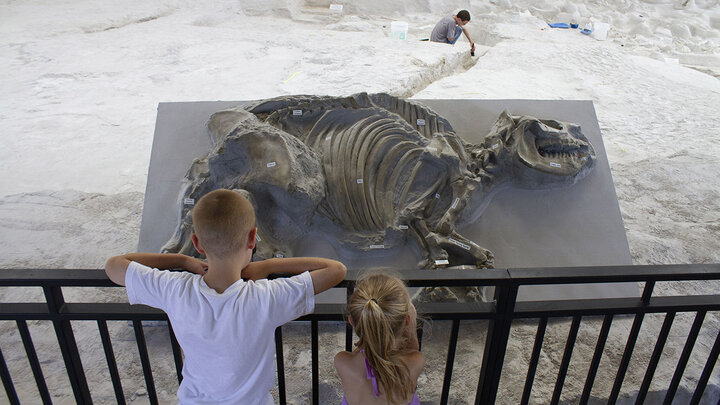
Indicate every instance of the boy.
{"type": "Point", "coordinates": [225, 324]}
{"type": "Point", "coordinates": [448, 29]}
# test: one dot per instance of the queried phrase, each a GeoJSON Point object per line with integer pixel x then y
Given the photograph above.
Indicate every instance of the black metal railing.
{"type": "Point", "coordinates": [499, 315]}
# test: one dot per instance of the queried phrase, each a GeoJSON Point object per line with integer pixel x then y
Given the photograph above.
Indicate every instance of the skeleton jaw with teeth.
{"type": "Point", "coordinates": [536, 153]}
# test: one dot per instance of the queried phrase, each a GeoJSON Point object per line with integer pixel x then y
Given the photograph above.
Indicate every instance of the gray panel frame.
{"type": "Point", "coordinates": [576, 226]}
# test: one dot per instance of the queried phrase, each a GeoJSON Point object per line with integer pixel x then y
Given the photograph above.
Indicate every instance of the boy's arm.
{"type": "Point", "coordinates": [116, 266]}
{"type": "Point", "coordinates": [325, 273]}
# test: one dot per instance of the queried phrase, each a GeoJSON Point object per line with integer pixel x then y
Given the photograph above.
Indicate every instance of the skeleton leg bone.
{"type": "Point", "coordinates": [434, 256]}
{"type": "Point", "coordinates": [461, 193]}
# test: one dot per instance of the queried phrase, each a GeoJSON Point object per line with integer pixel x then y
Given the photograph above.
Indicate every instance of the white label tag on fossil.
{"type": "Point", "coordinates": [455, 203]}
{"type": "Point", "coordinates": [458, 243]}
{"type": "Point", "coordinates": [271, 164]}
{"type": "Point", "coordinates": [420, 122]}
{"type": "Point", "coordinates": [336, 7]}
{"type": "Point", "coordinates": [189, 201]}
{"type": "Point", "coordinates": [377, 246]}
{"type": "Point", "coordinates": [279, 255]}
{"type": "Point", "coordinates": [441, 262]}
{"type": "Point", "coordinates": [402, 226]}
{"type": "Point", "coordinates": [257, 237]}
{"type": "Point", "coordinates": [297, 112]}
{"type": "Point", "coordinates": [437, 195]}
{"type": "Point", "coordinates": [327, 138]}
{"type": "Point", "coordinates": [359, 181]}
{"type": "Point", "coordinates": [497, 145]}
{"type": "Point", "coordinates": [553, 164]}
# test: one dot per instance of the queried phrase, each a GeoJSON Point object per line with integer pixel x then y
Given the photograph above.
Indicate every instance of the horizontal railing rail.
{"type": "Point", "coordinates": [500, 313]}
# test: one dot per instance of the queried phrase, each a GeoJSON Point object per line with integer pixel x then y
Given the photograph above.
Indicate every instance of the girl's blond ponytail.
{"type": "Point", "coordinates": [379, 307]}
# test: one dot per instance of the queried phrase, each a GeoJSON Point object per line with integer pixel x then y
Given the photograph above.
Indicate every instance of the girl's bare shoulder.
{"type": "Point", "coordinates": [345, 362]}
{"type": "Point", "coordinates": [415, 361]}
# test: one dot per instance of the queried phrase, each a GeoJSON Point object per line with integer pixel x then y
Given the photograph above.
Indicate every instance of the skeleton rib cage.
{"type": "Point", "coordinates": [370, 158]}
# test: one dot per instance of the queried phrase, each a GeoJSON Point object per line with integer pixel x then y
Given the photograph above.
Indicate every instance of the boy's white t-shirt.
{"type": "Point", "coordinates": [228, 338]}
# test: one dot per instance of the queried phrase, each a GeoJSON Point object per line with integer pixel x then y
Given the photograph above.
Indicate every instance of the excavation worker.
{"type": "Point", "coordinates": [448, 29]}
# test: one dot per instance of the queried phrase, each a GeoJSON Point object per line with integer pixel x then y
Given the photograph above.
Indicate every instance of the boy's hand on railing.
{"type": "Point", "coordinates": [196, 266]}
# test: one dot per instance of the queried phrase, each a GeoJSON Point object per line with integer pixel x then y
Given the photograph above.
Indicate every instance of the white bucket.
{"type": "Point", "coordinates": [600, 31]}
{"type": "Point", "coordinates": [398, 29]}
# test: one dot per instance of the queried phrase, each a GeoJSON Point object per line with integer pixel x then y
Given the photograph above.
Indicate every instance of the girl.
{"type": "Point", "coordinates": [385, 366]}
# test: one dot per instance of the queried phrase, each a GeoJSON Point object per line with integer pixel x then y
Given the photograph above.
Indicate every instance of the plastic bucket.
{"type": "Point", "coordinates": [398, 29]}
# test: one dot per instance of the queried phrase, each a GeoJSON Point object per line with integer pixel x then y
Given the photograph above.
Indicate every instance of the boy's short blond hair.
{"type": "Point", "coordinates": [222, 220]}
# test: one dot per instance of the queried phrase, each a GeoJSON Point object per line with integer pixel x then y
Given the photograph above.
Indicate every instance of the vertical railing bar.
{"type": "Point", "coordinates": [280, 359]}
{"type": "Point", "coordinates": [112, 364]}
{"type": "Point", "coordinates": [450, 361]}
{"type": "Point", "coordinates": [647, 292]}
{"type": "Point", "coordinates": [627, 355]}
{"type": "Point", "coordinates": [684, 357]}
{"type": "Point", "coordinates": [33, 360]}
{"type": "Point", "coordinates": [145, 360]}
{"type": "Point", "coordinates": [597, 356]}
{"type": "Point", "coordinates": [420, 332]}
{"type": "Point", "coordinates": [534, 358]}
{"type": "Point", "coordinates": [7, 381]}
{"type": "Point", "coordinates": [315, 366]}
{"type": "Point", "coordinates": [496, 341]}
{"type": "Point", "coordinates": [348, 337]}
{"type": "Point", "coordinates": [348, 328]}
{"type": "Point", "coordinates": [565, 363]}
{"type": "Point", "coordinates": [655, 357]}
{"type": "Point", "coordinates": [68, 345]}
{"type": "Point", "coordinates": [705, 376]}
{"type": "Point", "coordinates": [177, 353]}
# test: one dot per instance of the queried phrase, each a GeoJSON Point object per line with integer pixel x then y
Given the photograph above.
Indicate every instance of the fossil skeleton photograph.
{"type": "Point", "coordinates": [374, 172]}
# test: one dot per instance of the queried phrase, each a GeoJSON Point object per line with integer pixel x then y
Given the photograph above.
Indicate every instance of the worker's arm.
{"type": "Point", "coordinates": [467, 35]}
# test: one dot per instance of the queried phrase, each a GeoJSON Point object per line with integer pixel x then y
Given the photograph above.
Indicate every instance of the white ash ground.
{"type": "Point", "coordinates": [81, 86]}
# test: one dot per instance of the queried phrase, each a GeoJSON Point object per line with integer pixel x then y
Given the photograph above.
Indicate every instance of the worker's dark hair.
{"type": "Point", "coordinates": [464, 15]}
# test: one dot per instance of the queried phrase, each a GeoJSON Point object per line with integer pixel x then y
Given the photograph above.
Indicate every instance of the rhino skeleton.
{"type": "Point", "coordinates": [375, 167]}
